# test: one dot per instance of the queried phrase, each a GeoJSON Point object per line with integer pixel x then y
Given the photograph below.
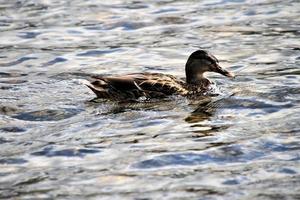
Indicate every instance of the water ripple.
{"type": "Point", "coordinates": [47, 115]}
{"type": "Point", "coordinates": [19, 61]}
{"type": "Point", "coordinates": [50, 152]}
{"type": "Point", "coordinates": [232, 154]}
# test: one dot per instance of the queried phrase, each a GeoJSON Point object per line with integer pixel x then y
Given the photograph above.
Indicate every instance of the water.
{"type": "Point", "coordinates": [58, 144]}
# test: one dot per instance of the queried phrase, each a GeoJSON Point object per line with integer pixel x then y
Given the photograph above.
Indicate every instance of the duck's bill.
{"type": "Point", "coordinates": [224, 72]}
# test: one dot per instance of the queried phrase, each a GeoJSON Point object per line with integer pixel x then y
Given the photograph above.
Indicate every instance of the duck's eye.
{"type": "Point", "coordinates": [210, 61]}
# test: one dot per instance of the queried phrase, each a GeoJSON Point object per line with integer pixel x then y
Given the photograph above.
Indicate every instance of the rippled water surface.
{"type": "Point", "coordinates": [58, 144]}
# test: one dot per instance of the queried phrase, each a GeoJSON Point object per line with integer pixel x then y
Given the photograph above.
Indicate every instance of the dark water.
{"type": "Point", "coordinates": [57, 144]}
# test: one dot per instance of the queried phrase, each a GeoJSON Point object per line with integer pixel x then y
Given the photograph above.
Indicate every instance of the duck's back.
{"type": "Point", "coordinates": [133, 86]}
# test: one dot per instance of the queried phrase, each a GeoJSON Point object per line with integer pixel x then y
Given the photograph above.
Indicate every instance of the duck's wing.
{"type": "Point", "coordinates": [133, 86]}
{"type": "Point", "coordinates": [164, 83]}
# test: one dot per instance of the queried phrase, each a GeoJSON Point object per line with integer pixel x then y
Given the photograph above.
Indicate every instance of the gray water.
{"type": "Point", "coordinates": [59, 143]}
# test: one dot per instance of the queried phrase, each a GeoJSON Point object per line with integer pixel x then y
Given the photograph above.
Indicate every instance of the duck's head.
{"type": "Point", "coordinates": [200, 62]}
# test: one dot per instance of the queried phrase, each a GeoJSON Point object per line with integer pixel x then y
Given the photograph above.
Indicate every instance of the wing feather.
{"type": "Point", "coordinates": [137, 85]}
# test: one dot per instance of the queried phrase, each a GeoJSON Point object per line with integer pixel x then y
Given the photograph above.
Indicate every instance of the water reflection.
{"type": "Point", "coordinates": [203, 111]}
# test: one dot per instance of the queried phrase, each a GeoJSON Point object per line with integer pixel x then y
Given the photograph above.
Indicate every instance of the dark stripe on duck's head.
{"type": "Point", "coordinates": [205, 55]}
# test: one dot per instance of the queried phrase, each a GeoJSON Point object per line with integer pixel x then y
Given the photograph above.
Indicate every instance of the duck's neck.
{"type": "Point", "coordinates": [194, 74]}
{"type": "Point", "coordinates": [194, 79]}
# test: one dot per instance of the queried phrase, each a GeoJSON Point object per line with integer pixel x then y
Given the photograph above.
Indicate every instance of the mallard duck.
{"type": "Point", "coordinates": [157, 85]}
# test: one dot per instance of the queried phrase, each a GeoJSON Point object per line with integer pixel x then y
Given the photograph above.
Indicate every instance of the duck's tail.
{"type": "Point", "coordinates": [99, 89]}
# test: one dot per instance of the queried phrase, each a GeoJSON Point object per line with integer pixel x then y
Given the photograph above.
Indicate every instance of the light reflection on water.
{"type": "Point", "coordinates": [56, 142]}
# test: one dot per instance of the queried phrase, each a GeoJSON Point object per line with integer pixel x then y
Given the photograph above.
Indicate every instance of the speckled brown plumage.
{"type": "Point", "coordinates": [157, 85]}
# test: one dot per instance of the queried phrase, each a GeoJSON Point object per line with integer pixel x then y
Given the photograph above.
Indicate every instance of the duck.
{"type": "Point", "coordinates": [158, 85]}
